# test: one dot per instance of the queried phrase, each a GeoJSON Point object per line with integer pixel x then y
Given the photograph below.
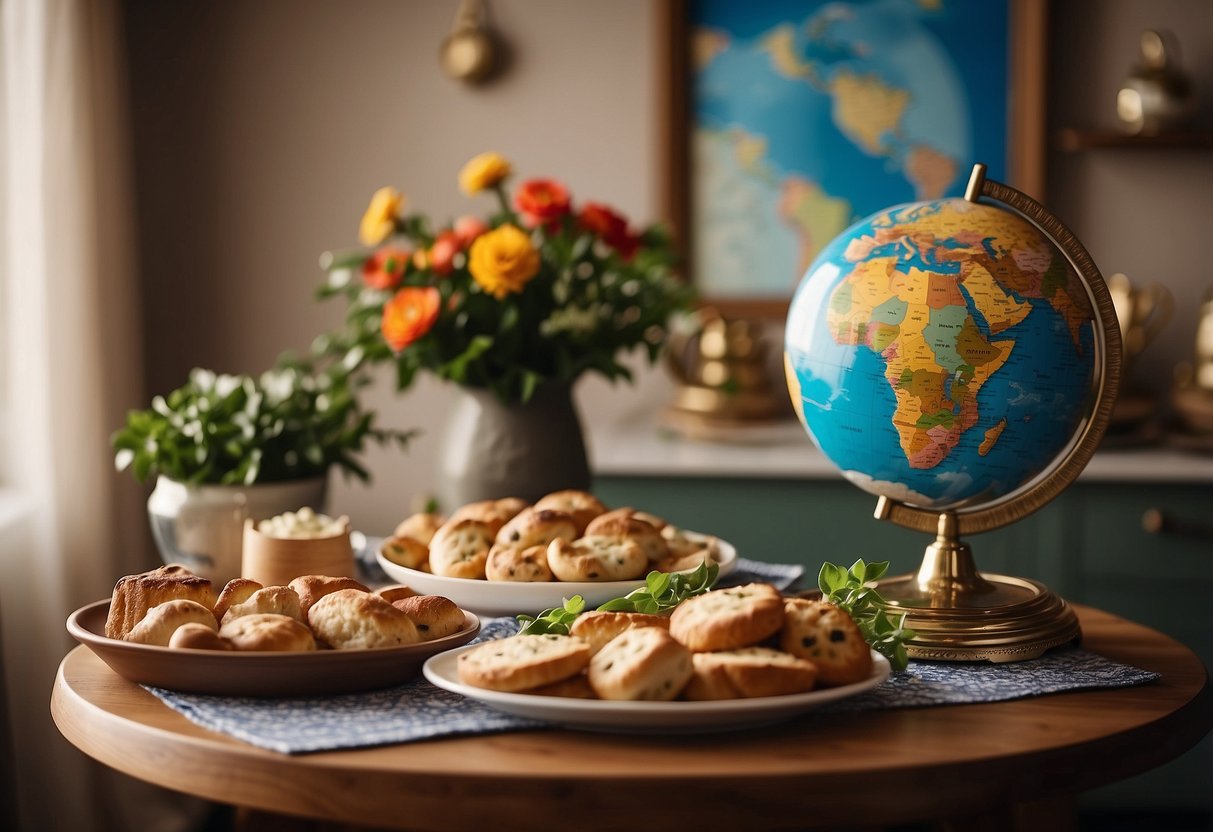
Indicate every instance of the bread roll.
{"type": "Point", "coordinates": [236, 591]}
{"type": "Point", "coordinates": [311, 588]}
{"type": "Point", "coordinates": [434, 616]}
{"type": "Point", "coordinates": [134, 595]}
{"type": "Point", "coordinates": [162, 620]}
{"type": "Point", "coordinates": [194, 636]}
{"type": "Point", "coordinates": [268, 632]}
{"type": "Point", "coordinates": [348, 619]}
{"type": "Point", "coordinates": [280, 600]}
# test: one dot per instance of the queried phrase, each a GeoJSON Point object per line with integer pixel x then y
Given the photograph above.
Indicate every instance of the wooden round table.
{"type": "Point", "coordinates": [1008, 760]}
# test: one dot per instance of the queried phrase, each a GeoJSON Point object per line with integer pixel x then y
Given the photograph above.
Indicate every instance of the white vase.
{"type": "Point", "coordinates": [202, 526]}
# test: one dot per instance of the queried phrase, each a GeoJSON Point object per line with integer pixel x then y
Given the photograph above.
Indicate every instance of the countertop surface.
{"type": "Point", "coordinates": [640, 447]}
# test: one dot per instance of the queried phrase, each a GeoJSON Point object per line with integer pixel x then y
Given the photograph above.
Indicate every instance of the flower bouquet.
{"type": "Point", "coordinates": [540, 290]}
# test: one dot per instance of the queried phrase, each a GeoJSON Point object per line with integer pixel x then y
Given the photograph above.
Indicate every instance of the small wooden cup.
{"type": "Point", "coordinates": [276, 561]}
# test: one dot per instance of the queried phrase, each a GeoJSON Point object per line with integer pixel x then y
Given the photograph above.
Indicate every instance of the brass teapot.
{"type": "Point", "coordinates": [722, 374]}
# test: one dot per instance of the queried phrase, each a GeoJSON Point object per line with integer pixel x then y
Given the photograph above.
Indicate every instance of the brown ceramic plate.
{"type": "Point", "coordinates": [258, 674]}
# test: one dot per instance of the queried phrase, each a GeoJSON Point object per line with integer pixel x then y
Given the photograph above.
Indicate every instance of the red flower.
{"type": "Point", "coordinates": [409, 315]}
{"type": "Point", "coordinates": [542, 202]}
{"type": "Point", "coordinates": [468, 228]}
{"type": "Point", "coordinates": [384, 268]}
{"type": "Point", "coordinates": [610, 226]}
{"type": "Point", "coordinates": [442, 252]}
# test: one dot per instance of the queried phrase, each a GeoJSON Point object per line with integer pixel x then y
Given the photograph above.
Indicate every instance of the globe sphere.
{"type": "Point", "coordinates": [943, 354]}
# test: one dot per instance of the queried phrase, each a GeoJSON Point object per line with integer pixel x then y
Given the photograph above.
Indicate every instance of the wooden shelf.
{"type": "Point", "coordinates": [1071, 139]}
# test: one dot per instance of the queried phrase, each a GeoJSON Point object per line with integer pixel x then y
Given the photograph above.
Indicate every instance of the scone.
{"type": "Point", "coordinates": [407, 552]}
{"type": "Point", "coordinates": [596, 559]}
{"type": "Point", "coordinates": [825, 635]}
{"type": "Point", "coordinates": [460, 549]}
{"type": "Point", "coordinates": [311, 588]}
{"type": "Point", "coordinates": [627, 523]}
{"type": "Point", "coordinates": [582, 506]}
{"type": "Point", "coordinates": [194, 636]}
{"type": "Point", "coordinates": [433, 615]}
{"type": "Point", "coordinates": [522, 662]}
{"type": "Point", "coordinates": [641, 664]}
{"type": "Point", "coordinates": [597, 627]}
{"type": "Point", "coordinates": [280, 600]}
{"type": "Point", "coordinates": [420, 526]}
{"type": "Point", "coordinates": [494, 513]}
{"type": "Point", "coordinates": [162, 620]}
{"type": "Point", "coordinates": [235, 591]}
{"type": "Point", "coordinates": [134, 595]}
{"type": "Point", "coordinates": [350, 619]}
{"type": "Point", "coordinates": [267, 632]}
{"type": "Point", "coordinates": [536, 527]}
{"type": "Point", "coordinates": [749, 672]}
{"type": "Point", "coordinates": [725, 619]}
{"type": "Point", "coordinates": [509, 563]}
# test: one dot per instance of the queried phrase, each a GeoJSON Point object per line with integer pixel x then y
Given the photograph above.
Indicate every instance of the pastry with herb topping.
{"type": "Point", "coordinates": [825, 635]}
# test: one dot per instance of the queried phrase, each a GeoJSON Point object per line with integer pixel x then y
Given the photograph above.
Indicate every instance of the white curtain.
{"type": "Point", "coordinates": [69, 343]}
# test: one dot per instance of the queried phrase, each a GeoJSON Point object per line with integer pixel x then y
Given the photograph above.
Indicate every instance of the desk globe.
{"type": "Point", "coordinates": [959, 359]}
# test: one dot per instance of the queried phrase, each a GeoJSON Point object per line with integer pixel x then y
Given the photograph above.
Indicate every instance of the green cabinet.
{"type": "Point", "coordinates": [1089, 545]}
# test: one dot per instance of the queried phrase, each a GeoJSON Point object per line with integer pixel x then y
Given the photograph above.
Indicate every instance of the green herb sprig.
{"type": "Point", "coordinates": [662, 591]}
{"type": "Point", "coordinates": [854, 590]}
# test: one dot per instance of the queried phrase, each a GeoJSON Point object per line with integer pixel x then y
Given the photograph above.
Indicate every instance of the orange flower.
{"type": "Point", "coordinates": [409, 315]}
{"type": "Point", "coordinates": [542, 202]}
{"type": "Point", "coordinates": [483, 171]}
{"type": "Point", "coordinates": [468, 228]}
{"type": "Point", "coordinates": [503, 260]}
{"type": "Point", "coordinates": [379, 221]}
{"type": "Point", "coordinates": [442, 252]}
{"type": "Point", "coordinates": [385, 268]}
{"type": "Point", "coordinates": [609, 225]}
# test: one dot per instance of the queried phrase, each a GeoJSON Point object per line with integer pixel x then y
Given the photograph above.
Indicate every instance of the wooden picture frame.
{"type": "Point", "coordinates": [1024, 139]}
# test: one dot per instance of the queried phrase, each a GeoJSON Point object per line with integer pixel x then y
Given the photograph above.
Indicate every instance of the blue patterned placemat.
{"type": "Point", "coordinates": [418, 710]}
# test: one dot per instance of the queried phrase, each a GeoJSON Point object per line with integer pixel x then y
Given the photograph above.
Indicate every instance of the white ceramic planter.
{"type": "Point", "coordinates": [202, 526]}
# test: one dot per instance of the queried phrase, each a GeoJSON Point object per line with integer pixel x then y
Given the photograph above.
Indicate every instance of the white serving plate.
{"type": "Point", "coordinates": [647, 717]}
{"type": "Point", "coordinates": [495, 598]}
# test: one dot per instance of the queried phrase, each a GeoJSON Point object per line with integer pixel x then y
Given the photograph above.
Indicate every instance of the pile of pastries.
{"type": "Point", "coordinates": [172, 607]}
{"type": "Point", "coordinates": [735, 643]}
{"type": "Point", "coordinates": [564, 536]}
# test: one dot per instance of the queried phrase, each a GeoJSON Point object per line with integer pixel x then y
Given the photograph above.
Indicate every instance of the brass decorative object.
{"type": "Point", "coordinates": [1157, 96]}
{"type": "Point", "coordinates": [469, 53]}
{"type": "Point", "coordinates": [1143, 310]}
{"type": "Point", "coordinates": [959, 613]}
{"type": "Point", "coordinates": [1192, 396]}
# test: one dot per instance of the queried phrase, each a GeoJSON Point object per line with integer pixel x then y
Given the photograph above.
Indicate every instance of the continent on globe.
{"type": "Point", "coordinates": [941, 351]}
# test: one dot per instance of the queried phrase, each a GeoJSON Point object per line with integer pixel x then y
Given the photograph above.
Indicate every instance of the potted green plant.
{"type": "Point", "coordinates": [512, 307]}
{"type": "Point", "coordinates": [226, 447]}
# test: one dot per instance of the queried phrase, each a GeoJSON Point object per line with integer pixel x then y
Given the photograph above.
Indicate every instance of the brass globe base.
{"type": "Point", "coordinates": [961, 615]}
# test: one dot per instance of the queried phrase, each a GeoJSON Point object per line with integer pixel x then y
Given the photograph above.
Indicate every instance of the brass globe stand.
{"type": "Point", "coordinates": [958, 613]}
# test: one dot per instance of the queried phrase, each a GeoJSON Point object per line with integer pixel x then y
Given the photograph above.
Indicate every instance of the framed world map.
{"type": "Point", "coordinates": [790, 120]}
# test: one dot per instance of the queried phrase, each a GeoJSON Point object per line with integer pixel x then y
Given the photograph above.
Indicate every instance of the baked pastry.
{"type": "Point", "coordinates": [494, 513]}
{"type": "Point", "coordinates": [682, 563]}
{"type": "Point", "coordinates": [725, 619]}
{"type": "Point", "coordinates": [407, 552]}
{"type": "Point", "coordinates": [582, 506]}
{"type": "Point", "coordinates": [594, 558]}
{"type": "Point", "coordinates": [311, 588]}
{"type": "Point", "coordinates": [682, 543]}
{"type": "Point", "coordinates": [749, 672]}
{"type": "Point", "coordinates": [460, 549]}
{"type": "Point", "coordinates": [574, 687]}
{"type": "Point", "coordinates": [510, 563]}
{"type": "Point", "coordinates": [134, 595]}
{"type": "Point", "coordinates": [434, 615]}
{"type": "Point", "coordinates": [162, 620]}
{"type": "Point", "coordinates": [195, 636]}
{"type": "Point", "coordinates": [420, 526]}
{"type": "Point", "coordinates": [280, 600]}
{"type": "Point", "coordinates": [535, 527]}
{"type": "Point", "coordinates": [394, 593]}
{"type": "Point", "coordinates": [828, 637]}
{"type": "Point", "coordinates": [597, 627]}
{"type": "Point", "coordinates": [641, 664]}
{"type": "Point", "coordinates": [269, 632]}
{"type": "Point", "coordinates": [625, 523]}
{"type": "Point", "coordinates": [522, 662]}
{"type": "Point", "coordinates": [235, 591]}
{"type": "Point", "coordinates": [349, 618]}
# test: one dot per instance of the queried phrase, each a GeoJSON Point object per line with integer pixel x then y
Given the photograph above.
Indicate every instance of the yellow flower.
{"type": "Point", "coordinates": [484, 171]}
{"type": "Point", "coordinates": [380, 218]}
{"type": "Point", "coordinates": [503, 260]}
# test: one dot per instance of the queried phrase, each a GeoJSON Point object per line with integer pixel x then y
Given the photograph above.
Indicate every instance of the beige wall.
{"type": "Point", "coordinates": [262, 128]}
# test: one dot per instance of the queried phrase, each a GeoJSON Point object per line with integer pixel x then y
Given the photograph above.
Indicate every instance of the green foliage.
{"type": "Point", "coordinates": [587, 306]}
{"type": "Point", "coordinates": [292, 422]}
{"type": "Point", "coordinates": [662, 591]}
{"type": "Point", "coordinates": [854, 590]}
